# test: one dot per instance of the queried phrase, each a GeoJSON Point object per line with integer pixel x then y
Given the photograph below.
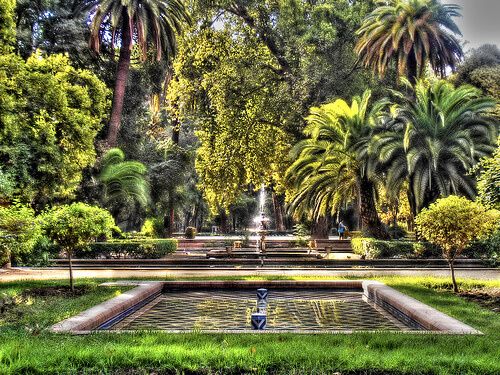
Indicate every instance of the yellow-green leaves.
{"type": "Point", "coordinates": [50, 114]}
{"type": "Point", "coordinates": [19, 231]}
{"type": "Point", "coordinates": [74, 226]}
{"type": "Point", "coordinates": [453, 222]}
{"type": "Point", "coordinates": [224, 85]}
{"type": "Point", "coordinates": [7, 25]}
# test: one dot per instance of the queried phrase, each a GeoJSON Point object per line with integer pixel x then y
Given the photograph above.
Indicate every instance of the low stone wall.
{"type": "Point", "coordinates": [412, 311]}
{"type": "Point", "coordinates": [94, 317]}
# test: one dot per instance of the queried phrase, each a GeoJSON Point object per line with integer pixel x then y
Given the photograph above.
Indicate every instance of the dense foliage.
{"type": "Point", "coordinates": [7, 25]}
{"type": "Point", "coordinates": [132, 249]}
{"type": "Point", "coordinates": [150, 24]}
{"type": "Point", "coordinates": [370, 248]}
{"type": "Point", "coordinates": [246, 85]}
{"type": "Point", "coordinates": [488, 181]}
{"type": "Point", "coordinates": [454, 222]}
{"type": "Point", "coordinates": [208, 111]}
{"type": "Point", "coordinates": [481, 68]}
{"type": "Point", "coordinates": [434, 141]}
{"type": "Point", "coordinates": [50, 115]}
{"type": "Point", "coordinates": [19, 232]}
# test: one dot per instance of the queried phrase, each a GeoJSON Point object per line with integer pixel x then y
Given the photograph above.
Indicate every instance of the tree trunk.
{"type": "Point", "coordinates": [175, 131]}
{"type": "Point", "coordinates": [195, 217]}
{"type": "Point", "coordinates": [71, 272]}
{"type": "Point", "coordinates": [171, 213]}
{"type": "Point", "coordinates": [121, 81]}
{"type": "Point", "coordinates": [321, 228]}
{"type": "Point", "coordinates": [413, 73]}
{"type": "Point", "coordinates": [171, 219]}
{"type": "Point", "coordinates": [453, 280]}
{"type": "Point", "coordinates": [168, 220]}
{"type": "Point", "coordinates": [278, 213]}
{"type": "Point", "coordinates": [370, 222]}
{"type": "Point", "coordinates": [224, 226]}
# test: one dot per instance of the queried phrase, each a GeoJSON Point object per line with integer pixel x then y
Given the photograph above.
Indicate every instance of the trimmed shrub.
{"type": "Point", "coordinates": [354, 234]}
{"type": "Point", "coordinates": [487, 249]}
{"type": "Point", "coordinates": [152, 227]}
{"type": "Point", "coordinates": [144, 249]}
{"type": "Point", "coordinates": [423, 249]}
{"type": "Point", "coordinates": [301, 233]}
{"type": "Point", "coordinates": [370, 248]}
{"type": "Point", "coordinates": [396, 232]}
{"type": "Point", "coordinates": [453, 223]}
{"type": "Point", "coordinates": [41, 254]}
{"type": "Point", "coordinates": [74, 226]}
{"type": "Point", "coordinates": [190, 233]}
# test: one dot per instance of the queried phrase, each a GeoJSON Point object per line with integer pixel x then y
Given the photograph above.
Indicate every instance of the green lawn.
{"type": "Point", "coordinates": [25, 346]}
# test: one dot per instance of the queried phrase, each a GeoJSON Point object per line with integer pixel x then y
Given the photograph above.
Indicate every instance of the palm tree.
{"type": "Point", "coordinates": [413, 33]}
{"type": "Point", "coordinates": [123, 179]}
{"type": "Point", "coordinates": [125, 22]}
{"type": "Point", "coordinates": [435, 140]}
{"type": "Point", "coordinates": [331, 167]}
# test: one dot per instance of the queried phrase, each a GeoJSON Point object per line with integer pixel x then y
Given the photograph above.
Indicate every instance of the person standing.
{"type": "Point", "coordinates": [341, 229]}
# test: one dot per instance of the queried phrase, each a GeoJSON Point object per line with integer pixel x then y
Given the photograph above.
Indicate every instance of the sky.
{"type": "Point", "coordinates": [480, 21]}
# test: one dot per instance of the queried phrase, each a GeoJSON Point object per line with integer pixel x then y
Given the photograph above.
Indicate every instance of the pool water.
{"type": "Point", "coordinates": [287, 311]}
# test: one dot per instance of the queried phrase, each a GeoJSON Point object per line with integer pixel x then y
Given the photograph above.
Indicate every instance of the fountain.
{"type": "Point", "coordinates": [262, 222]}
{"type": "Point", "coordinates": [259, 318]}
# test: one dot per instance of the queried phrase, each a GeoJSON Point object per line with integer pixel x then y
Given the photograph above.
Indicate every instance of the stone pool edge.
{"type": "Point", "coordinates": [376, 292]}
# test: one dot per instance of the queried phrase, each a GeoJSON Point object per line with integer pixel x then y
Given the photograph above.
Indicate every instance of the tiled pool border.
{"type": "Point", "coordinates": [404, 307]}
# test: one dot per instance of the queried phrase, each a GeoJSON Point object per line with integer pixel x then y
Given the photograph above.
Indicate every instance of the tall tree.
{"type": "Point", "coordinates": [436, 139]}
{"type": "Point", "coordinates": [247, 84]}
{"type": "Point", "coordinates": [411, 33]}
{"type": "Point", "coordinates": [144, 22]}
{"type": "Point", "coordinates": [236, 110]}
{"type": "Point", "coordinates": [50, 114]}
{"type": "Point", "coordinates": [332, 166]}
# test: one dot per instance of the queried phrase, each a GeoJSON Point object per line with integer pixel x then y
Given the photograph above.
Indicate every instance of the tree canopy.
{"type": "Point", "coordinates": [410, 33]}
{"type": "Point", "coordinates": [435, 140]}
{"type": "Point", "coordinates": [453, 222]}
{"type": "Point", "coordinates": [247, 84]}
{"type": "Point", "coordinates": [50, 115]}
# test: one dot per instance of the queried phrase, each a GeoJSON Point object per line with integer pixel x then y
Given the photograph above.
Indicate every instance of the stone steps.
{"type": "Point", "coordinates": [268, 254]}
{"type": "Point", "coordinates": [195, 245]}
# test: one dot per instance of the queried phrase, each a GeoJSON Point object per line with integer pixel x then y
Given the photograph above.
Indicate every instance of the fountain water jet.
{"type": "Point", "coordinates": [261, 221]}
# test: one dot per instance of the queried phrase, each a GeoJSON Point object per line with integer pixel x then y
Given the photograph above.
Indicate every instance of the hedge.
{"type": "Point", "coordinates": [135, 249]}
{"type": "Point", "coordinates": [370, 248]}
{"type": "Point", "coordinates": [4, 255]}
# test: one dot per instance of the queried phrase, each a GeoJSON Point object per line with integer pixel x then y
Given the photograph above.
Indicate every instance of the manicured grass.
{"type": "Point", "coordinates": [26, 347]}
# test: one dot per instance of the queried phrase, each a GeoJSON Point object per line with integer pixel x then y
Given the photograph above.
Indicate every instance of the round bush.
{"type": "Point", "coordinates": [190, 233]}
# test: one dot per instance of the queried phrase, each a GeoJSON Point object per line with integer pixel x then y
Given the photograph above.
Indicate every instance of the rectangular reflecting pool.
{"type": "Point", "coordinates": [335, 306]}
{"type": "Point", "coordinates": [287, 310]}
